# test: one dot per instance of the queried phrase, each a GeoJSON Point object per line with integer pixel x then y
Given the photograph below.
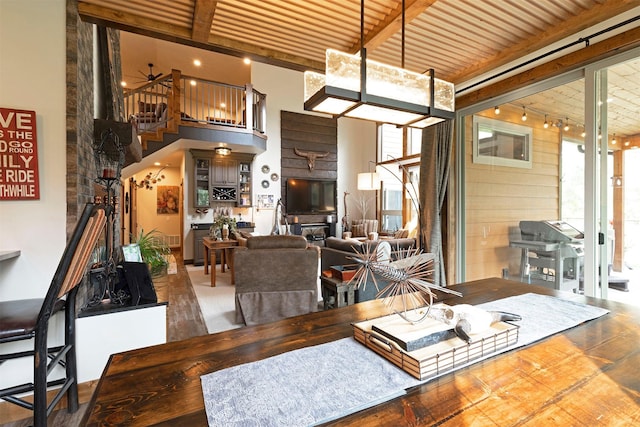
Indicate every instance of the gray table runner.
{"type": "Point", "coordinates": [321, 383]}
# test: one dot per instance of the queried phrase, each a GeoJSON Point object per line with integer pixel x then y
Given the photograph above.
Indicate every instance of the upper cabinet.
{"type": "Point", "coordinates": [225, 171]}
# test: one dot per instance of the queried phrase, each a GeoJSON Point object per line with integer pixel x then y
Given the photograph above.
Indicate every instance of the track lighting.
{"type": "Point", "coordinates": [524, 114]}
{"type": "Point", "coordinates": [497, 110]}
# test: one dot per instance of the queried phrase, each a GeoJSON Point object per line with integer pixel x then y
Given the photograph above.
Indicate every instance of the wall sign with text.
{"type": "Point", "coordinates": [18, 155]}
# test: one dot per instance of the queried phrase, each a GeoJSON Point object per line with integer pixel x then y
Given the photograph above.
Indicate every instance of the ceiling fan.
{"type": "Point", "coordinates": [150, 77]}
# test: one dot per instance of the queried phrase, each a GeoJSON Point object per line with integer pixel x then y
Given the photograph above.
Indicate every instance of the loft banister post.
{"type": "Point", "coordinates": [262, 106]}
{"type": "Point", "coordinates": [173, 101]}
{"type": "Point", "coordinates": [249, 106]}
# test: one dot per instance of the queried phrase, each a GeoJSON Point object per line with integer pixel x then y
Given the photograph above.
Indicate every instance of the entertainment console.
{"type": "Point", "coordinates": [316, 233]}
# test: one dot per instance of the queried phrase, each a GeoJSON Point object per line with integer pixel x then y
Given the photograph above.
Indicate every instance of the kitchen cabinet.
{"type": "Point", "coordinates": [202, 183]}
{"type": "Point", "coordinates": [225, 172]}
{"type": "Point", "coordinates": [244, 185]}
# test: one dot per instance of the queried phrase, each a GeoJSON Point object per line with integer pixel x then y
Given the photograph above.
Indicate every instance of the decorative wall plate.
{"type": "Point", "coordinates": [265, 184]}
{"type": "Point", "coordinates": [265, 168]}
{"type": "Point", "coordinates": [274, 176]}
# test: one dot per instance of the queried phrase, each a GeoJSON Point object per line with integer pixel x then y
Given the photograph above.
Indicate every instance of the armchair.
{"type": "Point", "coordinates": [276, 277]}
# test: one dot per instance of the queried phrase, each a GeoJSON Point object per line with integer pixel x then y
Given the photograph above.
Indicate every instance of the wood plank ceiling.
{"type": "Point", "coordinates": [460, 39]}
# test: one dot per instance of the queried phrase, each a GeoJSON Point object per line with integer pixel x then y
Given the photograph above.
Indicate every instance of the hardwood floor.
{"type": "Point", "coordinates": [184, 320]}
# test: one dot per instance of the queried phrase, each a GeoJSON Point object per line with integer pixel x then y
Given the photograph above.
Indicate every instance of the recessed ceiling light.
{"type": "Point", "coordinates": [197, 62]}
{"type": "Point", "coordinates": [247, 61]}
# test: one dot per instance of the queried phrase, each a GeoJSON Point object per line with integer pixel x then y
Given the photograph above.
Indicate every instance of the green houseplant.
{"type": "Point", "coordinates": [219, 222]}
{"type": "Point", "coordinates": [154, 251]}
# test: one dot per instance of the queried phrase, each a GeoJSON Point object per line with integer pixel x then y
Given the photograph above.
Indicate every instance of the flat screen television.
{"type": "Point", "coordinates": [309, 196]}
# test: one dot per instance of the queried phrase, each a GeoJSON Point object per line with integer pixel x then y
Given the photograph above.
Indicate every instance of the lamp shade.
{"type": "Point", "coordinates": [368, 181]}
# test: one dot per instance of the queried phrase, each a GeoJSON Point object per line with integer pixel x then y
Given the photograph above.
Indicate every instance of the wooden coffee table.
{"type": "Point", "coordinates": [210, 247]}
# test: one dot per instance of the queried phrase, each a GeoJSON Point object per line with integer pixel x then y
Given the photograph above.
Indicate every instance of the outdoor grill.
{"type": "Point", "coordinates": [552, 254]}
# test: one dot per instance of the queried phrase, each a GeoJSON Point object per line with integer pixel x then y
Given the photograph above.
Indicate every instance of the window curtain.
{"type": "Point", "coordinates": [437, 144]}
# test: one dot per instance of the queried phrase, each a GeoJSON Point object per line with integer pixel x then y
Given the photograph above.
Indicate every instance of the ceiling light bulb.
{"type": "Point", "coordinates": [123, 83]}
{"type": "Point", "coordinates": [546, 123]}
{"type": "Point", "coordinates": [246, 61]}
{"type": "Point", "coordinates": [583, 134]}
{"type": "Point", "coordinates": [566, 124]}
{"type": "Point", "coordinates": [496, 110]}
{"type": "Point", "coordinates": [524, 114]}
{"type": "Point", "coordinates": [627, 143]}
{"type": "Point", "coordinates": [222, 105]}
{"type": "Point", "coordinates": [193, 82]}
{"type": "Point", "coordinates": [613, 141]}
{"type": "Point", "coordinates": [197, 62]}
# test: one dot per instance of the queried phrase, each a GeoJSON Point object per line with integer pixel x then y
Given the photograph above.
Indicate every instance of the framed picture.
{"type": "Point", "coordinates": [502, 143]}
{"type": "Point", "coordinates": [131, 253]}
{"type": "Point", "coordinates": [168, 200]}
{"type": "Point", "coordinates": [266, 201]}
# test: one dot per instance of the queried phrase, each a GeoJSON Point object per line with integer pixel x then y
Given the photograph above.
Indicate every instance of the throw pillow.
{"type": "Point", "coordinates": [357, 230]}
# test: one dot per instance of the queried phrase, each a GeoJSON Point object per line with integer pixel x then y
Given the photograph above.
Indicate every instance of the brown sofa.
{"type": "Point", "coordinates": [276, 277]}
{"type": "Point", "coordinates": [338, 252]}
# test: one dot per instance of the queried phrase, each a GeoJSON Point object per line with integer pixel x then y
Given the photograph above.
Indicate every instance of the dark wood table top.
{"type": "Point", "coordinates": [587, 375]}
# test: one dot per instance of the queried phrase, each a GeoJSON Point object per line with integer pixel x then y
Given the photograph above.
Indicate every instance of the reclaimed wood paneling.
{"type": "Point", "coordinates": [312, 134]}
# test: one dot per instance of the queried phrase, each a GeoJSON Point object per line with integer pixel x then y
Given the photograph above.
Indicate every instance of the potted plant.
{"type": "Point", "coordinates": [154, 251]}
{"type": "Point", "coordinates": [221, 222]}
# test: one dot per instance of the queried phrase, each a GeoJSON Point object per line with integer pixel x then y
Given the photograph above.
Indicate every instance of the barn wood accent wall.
{"type": "Point", "coordinates": [308, 133]}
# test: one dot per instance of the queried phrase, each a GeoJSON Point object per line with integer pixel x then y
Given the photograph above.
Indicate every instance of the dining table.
{"type": "Point", "coordinates": [582, 376]}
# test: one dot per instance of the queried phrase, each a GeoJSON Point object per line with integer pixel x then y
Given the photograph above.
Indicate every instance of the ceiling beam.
{"type": "Point", "coordinates": [176, 34]}
{"type": "Point", "coordinates": [203, 13]}
{"type": "Point", "coordinates": [597, 14]}
{"type": "Point", "coordinates": [392, 24]}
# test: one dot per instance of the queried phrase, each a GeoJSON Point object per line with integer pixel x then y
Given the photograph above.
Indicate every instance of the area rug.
{"type": "Point", "coordinates": [321, 383]}
{"type": "Point", "coordinates": [216, 303]}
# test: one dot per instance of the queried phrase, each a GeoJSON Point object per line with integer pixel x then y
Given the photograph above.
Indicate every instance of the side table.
{"type": "Point", "coordinates": [226, 246]}
{"type": "Point", "coordinates": [336, 293]}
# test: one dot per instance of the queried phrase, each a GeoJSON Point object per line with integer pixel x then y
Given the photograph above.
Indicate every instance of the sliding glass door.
{"type": "Point", "coordinates": [552, 160]}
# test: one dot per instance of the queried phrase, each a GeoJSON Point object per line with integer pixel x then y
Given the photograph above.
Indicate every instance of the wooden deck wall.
{"type": "Point", "coordinates": [499, 197]}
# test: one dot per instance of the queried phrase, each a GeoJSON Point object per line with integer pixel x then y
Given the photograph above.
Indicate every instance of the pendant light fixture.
{"type": "Point", "coordinates": [356, 87]}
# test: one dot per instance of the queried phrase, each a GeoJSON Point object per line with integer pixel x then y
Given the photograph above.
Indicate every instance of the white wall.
{"type": "Point", "coordinates": [33, 77]}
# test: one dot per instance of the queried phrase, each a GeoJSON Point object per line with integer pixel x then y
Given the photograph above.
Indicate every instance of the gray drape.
{"type": "Point", "coordinates": [435, 158]}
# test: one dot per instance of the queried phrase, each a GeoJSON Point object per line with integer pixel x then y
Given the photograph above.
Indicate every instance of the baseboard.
{"type": "Point", "coordinates": [10, 412]}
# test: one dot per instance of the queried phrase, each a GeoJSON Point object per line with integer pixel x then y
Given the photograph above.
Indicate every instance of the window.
{"type": "Point", "coordinates": [501, 144]}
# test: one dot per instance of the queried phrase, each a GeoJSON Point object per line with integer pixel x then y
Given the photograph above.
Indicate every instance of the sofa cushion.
{"type": "Point", "coordinates": [276, 242]}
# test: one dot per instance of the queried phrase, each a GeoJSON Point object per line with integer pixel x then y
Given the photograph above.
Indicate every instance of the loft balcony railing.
{"type": "Point", "coordinates": [190, 101]}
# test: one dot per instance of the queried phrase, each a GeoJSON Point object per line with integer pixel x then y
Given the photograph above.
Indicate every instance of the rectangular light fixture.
{"type": "Point", "coordinates": [377, 92]}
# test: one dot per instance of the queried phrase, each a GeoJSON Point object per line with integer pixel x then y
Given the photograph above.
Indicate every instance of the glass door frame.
{"type": "Point", "coordinates": [596, 267]}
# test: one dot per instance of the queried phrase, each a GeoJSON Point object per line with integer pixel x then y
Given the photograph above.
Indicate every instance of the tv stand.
{"type": "Point", "coordinates": [315, 232]}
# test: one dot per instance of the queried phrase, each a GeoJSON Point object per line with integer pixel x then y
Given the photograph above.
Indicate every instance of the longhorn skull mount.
{"type": "Point", "coordinates": [311, 156]}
